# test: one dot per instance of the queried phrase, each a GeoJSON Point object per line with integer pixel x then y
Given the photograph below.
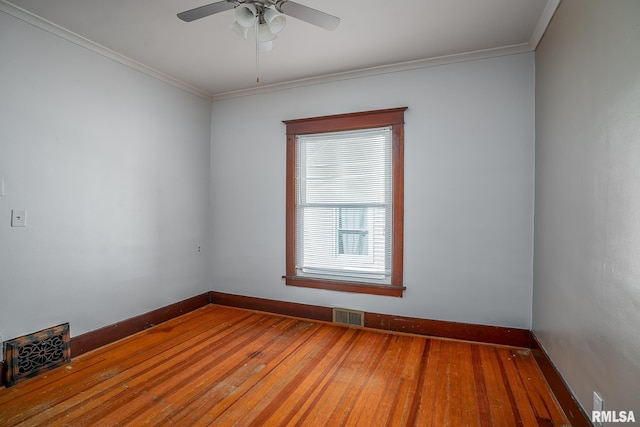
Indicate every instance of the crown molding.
{"type": "Point", "coordinates": [56, 30]}
{"type": "Point", "coordinates": [543, 23]}
{"type": "Point", "coordinates": [385, 69]}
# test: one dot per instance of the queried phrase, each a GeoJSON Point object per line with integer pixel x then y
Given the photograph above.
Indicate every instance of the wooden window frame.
{"type": "Point", "coordinates": [393, 117]}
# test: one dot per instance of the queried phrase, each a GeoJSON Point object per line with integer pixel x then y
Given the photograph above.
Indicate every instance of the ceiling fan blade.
{"type": "Point", "coordinates": [310, 15]}
{"type": "Point", "coordinates": [206, 10]}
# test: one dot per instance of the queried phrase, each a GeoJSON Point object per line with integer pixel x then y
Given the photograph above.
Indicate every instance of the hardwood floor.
{"type": "Point", "coordinates": [225, 366]}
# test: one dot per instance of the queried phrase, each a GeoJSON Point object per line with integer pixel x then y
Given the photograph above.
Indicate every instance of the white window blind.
{"type": "Point", "coordinates": [344, 205]}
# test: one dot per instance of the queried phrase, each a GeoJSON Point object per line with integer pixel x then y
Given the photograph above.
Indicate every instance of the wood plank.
{"type": "Point", "coordinates": [517, 387]}
{"type": "Point", "coordinates": [400, 379]}
{"type": "Point", "coordinates": [387, 385]}
{"type": "Point", "coordinates": [469, 404]}
{"type": "Point", "coordinates": [499, 400]}
{"type": "Point", "coordinates": [424, 379]}
{"type": "Point", "coordinates": [546, 411]}
{"type": "Point", "coordinates": [455, 403]}
{"type": "Point", "coordinates": [227, 366]}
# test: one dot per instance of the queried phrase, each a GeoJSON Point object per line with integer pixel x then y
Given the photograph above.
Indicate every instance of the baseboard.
{"type": "Point", "coordinates": [108, 334]}
{"type": "Point", "coordinates": [435, 328]}
{"type": "Point", "coordinates": [306, 311]}
{"type": "Point", "coordinates": [563, 394]}
{"type": "Point", "coordinates": [442, 329]}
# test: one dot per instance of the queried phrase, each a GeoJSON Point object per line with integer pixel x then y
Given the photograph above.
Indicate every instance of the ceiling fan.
{"type": "Point", "coordinates": [260, 15]}
{"type": "Point", "coordinates": [260, 7]}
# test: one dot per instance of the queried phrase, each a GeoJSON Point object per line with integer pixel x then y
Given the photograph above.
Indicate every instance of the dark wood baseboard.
{"type": "Point", "coordinates": [568, 402]}
{"type": "Point", "coordinates": [436, 328]}
{"type": "Point", "coordinates": [306, 311]}
{"type": "Point", "coordinates": [443, 329]}
{"type": "Point", "coordinates": [103, 336]}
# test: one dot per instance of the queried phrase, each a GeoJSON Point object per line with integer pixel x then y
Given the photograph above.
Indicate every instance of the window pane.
{"type": "Point", "coordinates": [353, 232]}
{"type": "Point", "coordinates": [345, 167]}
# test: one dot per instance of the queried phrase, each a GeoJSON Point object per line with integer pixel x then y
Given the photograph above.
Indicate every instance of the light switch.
{"type": "Point", "coordinates": [1, 187]}
{"type": "Point", "coordinates": [18, 218]}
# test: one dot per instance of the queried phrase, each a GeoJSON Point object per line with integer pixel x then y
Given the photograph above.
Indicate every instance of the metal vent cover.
{"type": "Point", "coordinates": [33, 354]}
{"type": "Point", "coordinates": [346, 316]}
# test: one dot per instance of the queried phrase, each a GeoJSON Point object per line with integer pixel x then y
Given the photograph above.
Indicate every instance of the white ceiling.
{"type": "Point", "coordinates": [214, 61]}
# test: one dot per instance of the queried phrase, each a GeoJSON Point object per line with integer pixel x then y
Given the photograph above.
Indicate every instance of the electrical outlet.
{"type": "Point", "coordinates": [198, 249]}
{"type": "Point", "coordinates": [18, 218]}
{"type": "Point", "coordinates": [598, 406]}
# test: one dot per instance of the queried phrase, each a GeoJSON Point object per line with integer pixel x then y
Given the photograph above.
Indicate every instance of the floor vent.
{"type": "Point", "coordinates": [33, 354]}
{"type": "Point", "coordinates": [348, 317]}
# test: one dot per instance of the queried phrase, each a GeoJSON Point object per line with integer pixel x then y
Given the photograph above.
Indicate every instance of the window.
{"type": "Point", "coordinates": [345, 202]}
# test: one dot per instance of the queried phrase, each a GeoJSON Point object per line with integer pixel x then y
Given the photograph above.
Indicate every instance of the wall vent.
{"type": "Point", "coordinates": [33, 354]}
{"type": "Point", "coordinates": [348, 317]}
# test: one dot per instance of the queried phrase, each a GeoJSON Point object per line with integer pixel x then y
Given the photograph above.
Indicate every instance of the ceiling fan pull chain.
{"type": "Point", "coordinates": [257, 51]}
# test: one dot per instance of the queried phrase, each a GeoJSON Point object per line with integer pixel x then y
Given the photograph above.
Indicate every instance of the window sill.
{"type": "Point", "coordinates": [337, 285]}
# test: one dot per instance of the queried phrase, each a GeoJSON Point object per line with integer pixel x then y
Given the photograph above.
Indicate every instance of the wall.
{"type": "Point", "coordinates": [112, 167]}
{"type": "Point", "coordinates": [586, 305]}
{"type": "Point", "coordinates": [469, 150]}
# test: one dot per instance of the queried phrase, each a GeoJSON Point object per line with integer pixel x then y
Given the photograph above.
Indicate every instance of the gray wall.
{"type": "Point", "coordinates": [469, 147]}
{"type": "Point", "coordinates": [112, 167]}
{"type": "Point", "coordinates": [586, 292]}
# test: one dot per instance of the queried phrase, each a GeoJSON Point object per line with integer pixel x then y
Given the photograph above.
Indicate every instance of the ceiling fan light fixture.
{"type": "Point", "coordinates": [264, 34]}
{"type": "Point", "coordinates": [274, 20]}
{"type": "Point", "coordinates": [265, 46]}
{"type": "Point", "coordinates": [240, 30]}
{"type": "Point", "coordinates": [246, 14]}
